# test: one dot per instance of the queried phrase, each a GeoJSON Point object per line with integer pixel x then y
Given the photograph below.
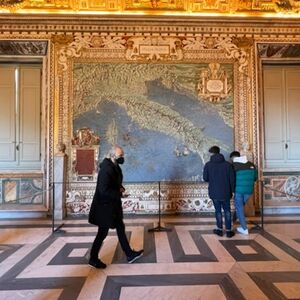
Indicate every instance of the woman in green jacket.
{"type": "Point", "coordinates": [246, 175]}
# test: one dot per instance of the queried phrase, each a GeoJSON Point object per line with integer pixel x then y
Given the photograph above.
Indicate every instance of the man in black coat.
{"type": "Point", "coordinates": [221, 180]}
{"type": "Point", "coordinates": [106, 209]}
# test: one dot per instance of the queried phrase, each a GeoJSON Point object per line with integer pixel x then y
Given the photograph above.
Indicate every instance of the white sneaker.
{"type": "Point", "coordinates": [242, 231]}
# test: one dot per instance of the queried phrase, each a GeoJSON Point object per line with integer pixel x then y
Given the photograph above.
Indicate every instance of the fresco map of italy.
{"type": "Point", "coordinates": [155, 113]}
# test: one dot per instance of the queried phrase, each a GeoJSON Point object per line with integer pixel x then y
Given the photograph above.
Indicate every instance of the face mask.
{"type": "Point", "coordinates": [120, 160]}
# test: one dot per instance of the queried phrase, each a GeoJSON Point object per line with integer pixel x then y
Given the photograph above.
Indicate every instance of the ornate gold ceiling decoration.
{"type": "Point", "coordinates": [156, 7]}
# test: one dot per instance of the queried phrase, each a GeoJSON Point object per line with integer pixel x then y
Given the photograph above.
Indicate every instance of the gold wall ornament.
{"type": "Point", "coordinates": [10, 2]}
{"type": "Point", "coordinates": [108, 42]}
{"type": "Point", "coordinates": [73, 49]}
{"type": "Point", "coordinates": [85, 137]}
{"type": "Point", "coordinates": [12, 5]}
{"type": "Point", "coordinates": [243, 42]}
{"type": "Point", "coordinates": [213, 83]}
{"type": "Point", "coordinates": [61, 39]}
{"type": "Point", "coordinates": [155, 4]}
{"type": "Point", "coordinates": [219, 43]}
{"type": "Point", "coordinates": [233, 51]}
{"type": "Point", "coordinates": [154, 48]}
{"type": "Point", "coordinates": [82, 42]}
{"type": "Point", "coordinates": [263, 8]}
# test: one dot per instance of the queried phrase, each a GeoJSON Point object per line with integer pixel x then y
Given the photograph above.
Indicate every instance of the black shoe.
{"type": "Point", "coordinates": [134, 256]}
{"type": "Point", "coordinates": [229, 233]}
{"type": "Point", "coordinates": [98, 264]}
{"type": "Point", "coordinates": [218, 232]}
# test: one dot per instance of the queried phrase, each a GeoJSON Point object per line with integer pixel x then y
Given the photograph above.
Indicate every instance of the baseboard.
{"type": "Point", "coordinates": [6, 214]}
{"type": "Point", "coordinates": [284, 210]}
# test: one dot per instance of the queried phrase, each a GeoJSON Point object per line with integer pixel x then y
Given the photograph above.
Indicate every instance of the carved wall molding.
{"type": "Point", "coordinates": [213, 83]}
{"type": "Point", "coordinates": [143, 48]}
{"type": "Point", "coordinates": [220, 43]}
{"type": "Point", "coordinates": [68, 25]}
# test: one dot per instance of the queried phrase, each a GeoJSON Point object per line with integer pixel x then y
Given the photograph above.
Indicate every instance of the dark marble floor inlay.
{"type": "Point", "coordinates": [261, 253]}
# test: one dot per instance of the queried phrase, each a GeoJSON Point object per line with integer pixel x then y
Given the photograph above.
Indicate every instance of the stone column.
{"type": "Point", "coordinates": [60, 177]}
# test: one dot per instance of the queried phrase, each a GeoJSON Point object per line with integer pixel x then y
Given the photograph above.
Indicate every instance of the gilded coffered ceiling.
{"type": "Point", "coordinates": [264, 8]}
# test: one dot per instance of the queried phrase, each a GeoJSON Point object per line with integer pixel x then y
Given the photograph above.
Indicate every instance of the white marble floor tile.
{"type": "Point", "coordinates": [288, 230]}
{"type": "Point", "coordinates": [291, 290]}
{"type": "Point", "coordinates": [24, 235]}
{"type": "Point", "coordinates": [194, 292]}
{"type": "Point", "coordinates": [93, 285]}
{"type": "Point", "coordinates": [37, 294]}
{"type": "Point", "coordinates": [168, 268]}
{"type": "Point", "coordinates": [269, 266]}
{"type": "Point", "coordinates": [162, 246]}
{"type": "Point", "coordinates": [93, 229]}
{"type": "Point", "coordinates": [246, 249]}
{"type": "Point", "coordinates": [187, 243]}
{"type": "Point", "coordinates": [137, 237]}
{"type": "Point", "coordinates": [80, 252]}
{"type": "Point", "coordinates": [108, 249]}
{"type": "Point", "coordinates": [56, 271]}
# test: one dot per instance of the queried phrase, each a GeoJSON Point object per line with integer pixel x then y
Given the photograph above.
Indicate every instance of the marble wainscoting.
{"type": "Point", "coordinates": [23, 197]}
{"type": "Point", "coordinates": [21, 191]}
{"type": "Point", "coordinates": [143, 198]}
{"type": "Point", "coordinates": [281, 193]}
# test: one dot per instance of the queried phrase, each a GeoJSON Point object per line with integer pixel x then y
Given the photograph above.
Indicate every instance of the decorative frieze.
{"type": "Point", "coordinates": [144, 198]}
{"type": "Point", "coordinates": [205, 7]}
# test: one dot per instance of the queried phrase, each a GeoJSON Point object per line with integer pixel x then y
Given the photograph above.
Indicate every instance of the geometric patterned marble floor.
{"type": "Point", "coordinates": [188, 262]}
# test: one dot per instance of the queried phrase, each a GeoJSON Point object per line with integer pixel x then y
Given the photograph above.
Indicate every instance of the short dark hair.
{"type": "Point", "coordinates": [235, 154]}
{"type": "Point", "coordinates": [214, 150]}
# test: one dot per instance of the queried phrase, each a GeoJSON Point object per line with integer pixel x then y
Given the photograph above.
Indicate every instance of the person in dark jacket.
{"type": "Point", "coordinates": [106, 209]}
{"type": "Point", "coordinates": [246, 175]}
{"type": "Point", "coordinates": [220, 177]}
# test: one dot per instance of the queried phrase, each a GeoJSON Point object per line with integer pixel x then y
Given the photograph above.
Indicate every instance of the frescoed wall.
{"type": "Point", "coordinates": [161, 113]}
{"type": "Point", "coordinates": [164, 86]}
{"type": "Point", "coordinates": [165, 100]}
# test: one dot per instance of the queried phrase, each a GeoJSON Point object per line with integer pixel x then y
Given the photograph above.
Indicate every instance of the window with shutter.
{"type": "Point", "coordinates": [281, 116]}
{"type": "Point", "coordinates": [20, 116]}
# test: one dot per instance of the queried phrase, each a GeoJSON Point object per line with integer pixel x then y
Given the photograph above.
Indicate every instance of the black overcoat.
{"type": "Point", "coordinates": [106, 208]}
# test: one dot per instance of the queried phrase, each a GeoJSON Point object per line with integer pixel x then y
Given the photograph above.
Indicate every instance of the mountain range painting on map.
{"type": "Point", "coordinates": [157, 113]}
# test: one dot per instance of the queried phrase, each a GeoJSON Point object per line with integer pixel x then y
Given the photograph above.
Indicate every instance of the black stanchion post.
{"type": "Point", "coordinates": [159, 227]}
